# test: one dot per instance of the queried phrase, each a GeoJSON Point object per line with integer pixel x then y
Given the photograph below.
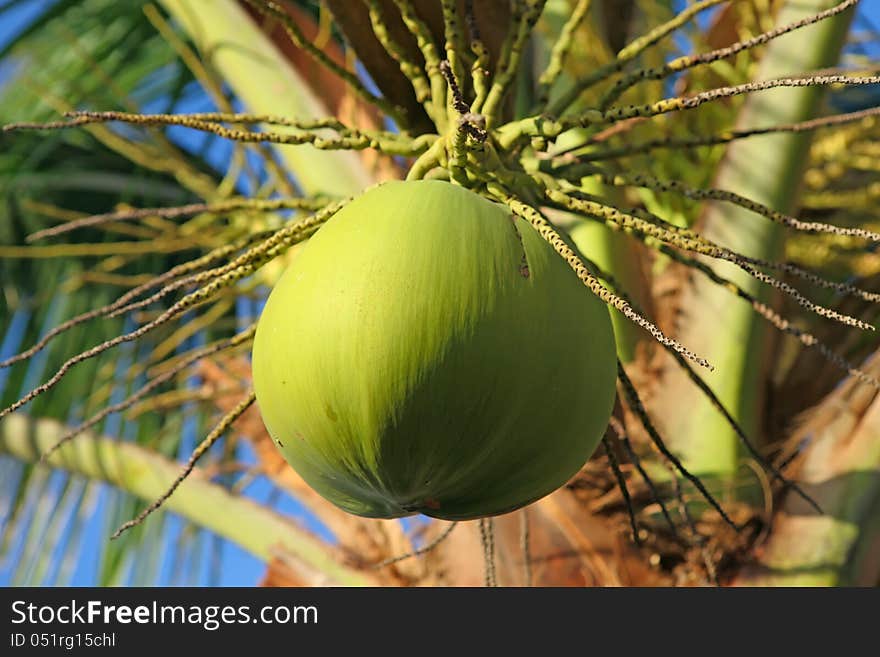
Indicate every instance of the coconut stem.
{"type": "Point", "coordinates": [487, 538]}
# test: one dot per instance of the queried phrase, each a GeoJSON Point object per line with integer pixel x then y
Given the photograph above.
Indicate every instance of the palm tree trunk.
{"type": "Point", "coordinates": [840, 468]}
{"type": "Point", "coordinates": [768, 170]}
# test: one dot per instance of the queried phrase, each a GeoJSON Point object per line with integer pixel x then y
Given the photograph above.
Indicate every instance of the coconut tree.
{"type": "Point", "coordinates": [705, 169]}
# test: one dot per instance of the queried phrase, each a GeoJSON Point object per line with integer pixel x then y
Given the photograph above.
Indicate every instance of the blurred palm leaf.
{"type": "Point", "coordinates": [84, 53]}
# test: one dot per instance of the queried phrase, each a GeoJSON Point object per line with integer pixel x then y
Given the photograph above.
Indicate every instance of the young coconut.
{"type": "Point", "coordinates": [428, 352]}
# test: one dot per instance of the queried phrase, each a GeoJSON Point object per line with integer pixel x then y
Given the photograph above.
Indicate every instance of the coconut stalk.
{"type": "Point", "coordinates": [146, 474]}
{"type": "Point", "coordinates": [616, 254]}
{"type": "Point", "coordinates": [768, 170]}
{"type": "Point", "coordinates": [611, 251]}
{"type": "Point", "coordinates": [264, 80]}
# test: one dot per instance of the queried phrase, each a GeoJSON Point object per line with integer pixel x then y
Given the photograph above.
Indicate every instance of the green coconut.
{"type": "Point", "coordinates": [428, 352]}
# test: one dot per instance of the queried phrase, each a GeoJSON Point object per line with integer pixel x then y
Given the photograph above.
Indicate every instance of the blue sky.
{"type": "Point", "coordinates": [235, 567]}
